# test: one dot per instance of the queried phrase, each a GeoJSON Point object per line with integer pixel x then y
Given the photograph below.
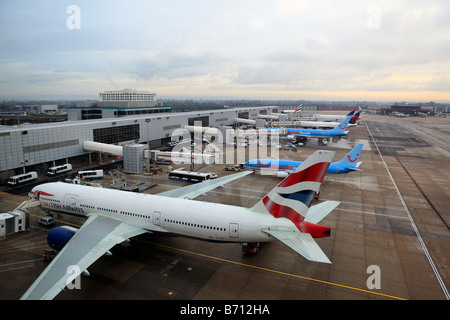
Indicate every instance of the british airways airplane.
{"type": "Point", "coordinates": [338, 131]}
{"type": "Point", "coordinates": [114, 216]}
{"type": "Point", "coordinates": [282, 168]}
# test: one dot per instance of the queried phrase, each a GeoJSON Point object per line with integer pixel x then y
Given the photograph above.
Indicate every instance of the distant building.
{"type": "Point", "coordinates": [47, 108]}
{"type": "Point", "coordinates": [309, 108]}
{"type": "Point", "coordinates": [127, 95]}
{"type": "Point", "coordinates": [117, 103]}
{"type": "Point", "coordinates": [408, 109]}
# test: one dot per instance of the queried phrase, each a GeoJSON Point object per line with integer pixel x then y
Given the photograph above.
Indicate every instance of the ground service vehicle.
{"type": "Point", "coordinates": [90, 174]}
{"type": "Point", "coordinates": [53, 171]}
{"type": "Point", "coordinates": [22, 178]}
{"type": "Point", "coordinates": [46, 221]}
{"type": "Point", "coordinates": [191, 176]}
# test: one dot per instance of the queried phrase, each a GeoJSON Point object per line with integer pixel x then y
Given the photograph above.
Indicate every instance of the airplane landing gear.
{"type": "Point", "coordinates": [251, 248]}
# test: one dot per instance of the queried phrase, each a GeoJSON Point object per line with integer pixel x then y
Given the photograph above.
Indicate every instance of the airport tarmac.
{"type": "Point", "coordinates": [390, 230]}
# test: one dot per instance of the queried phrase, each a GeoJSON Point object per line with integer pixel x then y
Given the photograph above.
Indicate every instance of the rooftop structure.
{"type": "Point", "coordinates": [117, 103]}
{"type": "Point", "coordinates": [127, 95]}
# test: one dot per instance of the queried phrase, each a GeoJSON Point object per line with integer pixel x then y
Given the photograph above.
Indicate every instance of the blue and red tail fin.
{"type": "Point", "coordinates": [292, 197]}
{"type": "Point", "coordinates": [355, 117]}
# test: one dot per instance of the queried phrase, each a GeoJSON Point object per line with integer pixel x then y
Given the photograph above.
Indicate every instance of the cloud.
{"type": "Point", "coordinates": [293, 7]}
{"type": "Point", "coordinates": [173, 64]}
{"type": "Point", "coordinates": [318, 42]}
{"type": "Point", "coordinates": [283, 45]}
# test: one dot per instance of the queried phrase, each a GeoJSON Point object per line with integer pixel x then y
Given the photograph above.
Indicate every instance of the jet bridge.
{"type": "Point", "coordinates": [133, 155]}
{"type": "Point", "coordinates": [105, 148]}
{"type": "Point", "coordinates": [17, 220]}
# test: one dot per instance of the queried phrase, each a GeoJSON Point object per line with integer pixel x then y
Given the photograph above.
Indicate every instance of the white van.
{"type": "Point", "coordinates": [53, 171]}
{"type": "Point", "coordinates": [22, 178]}
{"type": "Point", "coordinates": [90, 174]}
{"type": "Point", "coordinates": [46, 221]}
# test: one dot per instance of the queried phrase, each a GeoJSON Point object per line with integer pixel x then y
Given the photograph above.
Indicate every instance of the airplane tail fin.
{"type": "Point", "coordinates": [355, 117]}
{"type": "Point", "coordinates": [299, 108]}
{"type": "Point", "coordinates": [340, 128]}
{"type": "Point", "coordinates": [350, 160]}
{"type": "Point", "coordinates": [292, 197]}
{"type": "Point", "coordinates": [319, 211]}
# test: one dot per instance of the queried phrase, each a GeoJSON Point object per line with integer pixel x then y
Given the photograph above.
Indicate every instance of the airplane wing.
{"type": "Point", "coordinates": [195, 190]}
{"type": "Point", "coordinates": [319, 211]}
{"type": "Point", "coordinates": [302, 243]}
{"type": "Point", "coordinates": [97, 235]}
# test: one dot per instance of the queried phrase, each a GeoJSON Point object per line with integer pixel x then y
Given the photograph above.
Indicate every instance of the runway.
{"type": "Point", "coordinates": [393, 218]}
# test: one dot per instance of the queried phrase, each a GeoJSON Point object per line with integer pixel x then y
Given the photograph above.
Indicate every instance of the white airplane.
{"type": "Point", "coordinates": [328, 124]}
{"type": "Point", "coordinates": [298, 109]}
{"type": "Point", "coordinates": [333, 117]}
{"type": "Point", "coordinates": [114, 216]}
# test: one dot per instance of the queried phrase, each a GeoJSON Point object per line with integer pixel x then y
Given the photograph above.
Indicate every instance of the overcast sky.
{"type": "Point", "coordinates": [266, 49]}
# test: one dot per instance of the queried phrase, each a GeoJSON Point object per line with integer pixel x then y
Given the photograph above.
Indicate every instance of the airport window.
{"type": "Point", "coordinates": [195, 225]}
{"type": "Point", "coordinates": [91, 114]}
{"type": "Point", "coordinates": [204, 121]}
{"type": "Point", "coordinates": [117, 134]}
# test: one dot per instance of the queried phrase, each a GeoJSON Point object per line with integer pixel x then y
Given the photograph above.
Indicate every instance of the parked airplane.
{"type": "Point", "coordinates": [298, 109]}
{"type": "Point", "coordinates": [338, 131]}
{"type": "Point", "coordinates": [325, 124]}
{"type": "Point", "coordinates": [114, 216]}
{"type": "Point", "coordinates": [282, 168]}
{"type": "Point", "coordinates": [330, 117]}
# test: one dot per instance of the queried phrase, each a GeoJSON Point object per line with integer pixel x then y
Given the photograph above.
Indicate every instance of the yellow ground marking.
{"type": "Point", "coordinates": [274, 271]}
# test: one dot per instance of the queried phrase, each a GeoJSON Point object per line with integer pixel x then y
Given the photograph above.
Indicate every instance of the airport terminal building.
{"type": "Point", "coordinates": [35, 147]}
{"type": "Point", "coordinates": [117, 103]}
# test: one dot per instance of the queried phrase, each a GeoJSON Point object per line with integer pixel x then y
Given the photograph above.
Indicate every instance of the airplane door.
{"type": "Point", "coordinates": [71, 199]}
{"type": "Point", "coordinates": [234, 230]}
{"type": "Point", "coordinates": [156, 218]}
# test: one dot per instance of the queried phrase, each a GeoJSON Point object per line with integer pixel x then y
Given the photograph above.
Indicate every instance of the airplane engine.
{"type": "Point", "coordinates": [290, 137]}
{"type": "Point", "coordinates": [282, 174]}
{"type": "Point", "coordinates": [299, 139]}
{"type": "Point", "coordinates": [59, 236]}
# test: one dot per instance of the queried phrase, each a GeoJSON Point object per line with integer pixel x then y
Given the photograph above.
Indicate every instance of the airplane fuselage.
{"type": "Point", "coordinates": [283, 165]}
{"type": "Point", "coordinates": [320, 124]}
{"type": "Point", "coordinates": [159, 214]}
{"type": "Point", "coordinates": [319, 133]}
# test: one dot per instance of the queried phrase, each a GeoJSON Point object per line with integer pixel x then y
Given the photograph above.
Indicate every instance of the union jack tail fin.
{"type": "Point", "coordinates": [292, 197]}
